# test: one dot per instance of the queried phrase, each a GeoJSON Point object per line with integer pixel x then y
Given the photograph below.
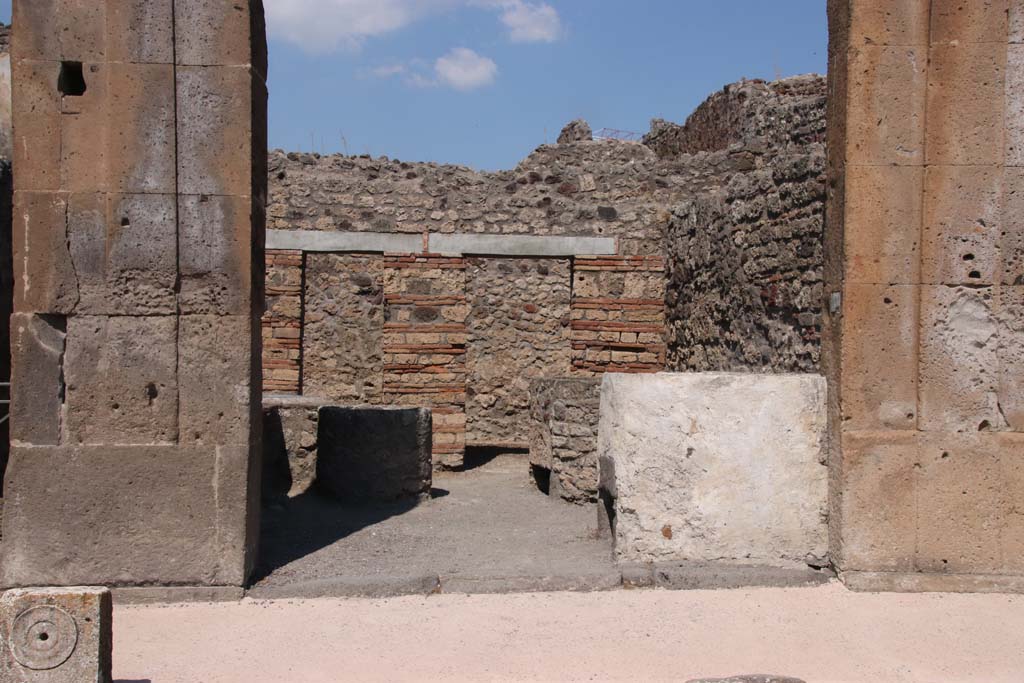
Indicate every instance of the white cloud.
{"type": "Point", "coordinates": [321, 26]}
{"type": "Point", "coordinates": [531, 23]}
{"type": "Point", "coordinates": [328, 25]}
{"type": "Point", "coordinates": [464, 69]}
{"type": "Point", "coordinates": [389, 70]}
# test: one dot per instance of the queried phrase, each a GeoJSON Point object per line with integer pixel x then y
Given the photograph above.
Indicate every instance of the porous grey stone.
{"type": "Point", "coordinates": [124, 249]}
{"type": "Point", "coordinates": [217, 395]}
{"type": "Point", "coordinates": [715, 467]}
{"type": "Point", "coordinates": [122, 385]}
{"type": "Point", "coordinates": [575, 131]}
{"type": "Point", "coordinates": [215, 254]}
{"type": "Point", "coordinates": [374, 454]}
{"type": "Point", "coordinates": [127, 515]}
{"type": "Point", "coordinates": [37, 354]}
{"type": "Point", "coordinates": [56, 635]}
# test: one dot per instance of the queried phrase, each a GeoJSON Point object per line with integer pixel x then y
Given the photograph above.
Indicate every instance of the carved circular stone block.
{"type": "Point", "coordinates": [43, 637]}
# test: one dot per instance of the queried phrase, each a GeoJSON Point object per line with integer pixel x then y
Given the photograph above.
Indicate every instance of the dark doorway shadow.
{"type": "Point", "coordinates": [479, 456]}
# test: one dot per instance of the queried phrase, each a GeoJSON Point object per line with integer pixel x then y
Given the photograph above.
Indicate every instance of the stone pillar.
{"type": "Point", "coordinates": [925, 265]}
{"type": "Point", "coordinates": [140, 160]}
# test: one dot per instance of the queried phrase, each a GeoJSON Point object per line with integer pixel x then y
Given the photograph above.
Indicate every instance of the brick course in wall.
{"type": "Point", "coordinates": [425, 344]}
{"type": "Point", "coordinates": [618, 314]}
{"type": "Point", "coordinates": [282, 322]}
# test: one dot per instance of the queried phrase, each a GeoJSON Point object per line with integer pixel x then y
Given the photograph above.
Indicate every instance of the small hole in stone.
{"type": "Point", "coordinates": [975, 275]}
{"type": "Point", "coordinates": [984, 426]}
{"type": "Point", "coordinates": [945, 455]}
{"type": "Point", "coordinates": [968, 257]}
{"type": "Point", "coordinates": [125, 222]}
{"type": "Point", "coordinates": [887, 300]}
{"type": "Point", "coordinates": [71, 81]}
{"type": "Point", "coordinates": [151, 392]}
{"type": "Point", "coordinates": [44, 636]}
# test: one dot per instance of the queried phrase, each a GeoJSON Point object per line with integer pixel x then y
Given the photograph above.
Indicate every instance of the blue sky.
{"type": "Point", "coordinates": [483, 82]}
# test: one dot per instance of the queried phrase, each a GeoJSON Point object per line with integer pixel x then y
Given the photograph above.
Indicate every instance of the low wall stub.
{"type": "Point", "coordinates": [715, 467]}
{"type": "Point", "coordinates": [563, 434]}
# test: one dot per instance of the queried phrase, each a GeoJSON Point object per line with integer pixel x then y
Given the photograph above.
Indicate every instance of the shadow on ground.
{"type": "Point", "coordinates": [293, 528]}
{"type": "Point", "coordinates": [485, 529]}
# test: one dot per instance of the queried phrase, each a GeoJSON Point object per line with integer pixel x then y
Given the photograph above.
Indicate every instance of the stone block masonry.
{"type": "Point", "coordinates": [289, 444]}
{"type": "Point", "coordinates": [140, 191]}
{"type": "Point", "coordinates": [922, 254]}
{"type": "Point", "coordinates": [518, 310]}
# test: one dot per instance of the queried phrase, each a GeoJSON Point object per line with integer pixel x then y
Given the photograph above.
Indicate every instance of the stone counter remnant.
{"type": "Point", "coordinates": [401, 283]}
{"type": "Point", "coordinates": [140, 186]}
{"type": "Point", "coordinates": [564, 416]}
{"type": "Point", "coordinates": [56, 635]}
{"type": "Point", "coordinates": [719, 468]}
{"type": "Point", "coordinates": [289, 443]}
{"type": "Point", "coordinates": [369, 454]}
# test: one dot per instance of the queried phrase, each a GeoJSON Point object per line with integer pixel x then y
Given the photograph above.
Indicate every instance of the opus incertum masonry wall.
{"type": "Point", "coordinates": [139, 193]}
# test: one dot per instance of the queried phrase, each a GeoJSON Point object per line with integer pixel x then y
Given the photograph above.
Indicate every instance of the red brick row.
{"type": "Point", "coordinates": [609, 326]}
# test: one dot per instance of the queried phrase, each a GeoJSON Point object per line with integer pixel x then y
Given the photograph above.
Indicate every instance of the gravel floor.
{"type": "Point", "coordinates": [485, 530]}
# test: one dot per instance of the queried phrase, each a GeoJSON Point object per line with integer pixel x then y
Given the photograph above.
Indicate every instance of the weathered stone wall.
{"type": "Point", "coordinates": [465, 332]}
{"type": "Point", "coordinates": [518, 328]}
{"type": "Point", "coordinates": [563, 426]}
{"type": "Point", "coordinates": [577, 188]}
{"type": "Point", "coordinates": [758, 116]}
{"type": "Point", "coordinates": [140, 184]}
{"type": "Point", "coordinates": [344, 327]}
{"type": "Point", "coordinates": [745, 269]}
{"type": "Point", "coordinates": [618, 314]}
{"type": "Point", "coordinates": [425, 345]}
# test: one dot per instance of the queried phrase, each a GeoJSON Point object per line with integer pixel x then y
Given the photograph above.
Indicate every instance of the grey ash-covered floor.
{"type": "Point", "coordinates": [484, 530]}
